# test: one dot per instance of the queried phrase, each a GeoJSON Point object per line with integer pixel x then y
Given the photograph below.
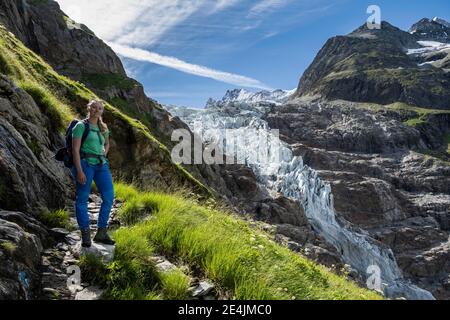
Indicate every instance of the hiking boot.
{"type": "Point", "coordinates": [103, 237]}
{"type": "Point", "coordinates": [86, 238]}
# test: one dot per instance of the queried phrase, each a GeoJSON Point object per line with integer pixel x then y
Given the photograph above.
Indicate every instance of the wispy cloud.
{"type": "Point", "coordinates": [131, 22]}
{"type": "Point", "coordinates": [265, 6]}
{"type": "Point", "coordinates": [223, 4]}
{"type": "Point", "coordinates": [175, 63]}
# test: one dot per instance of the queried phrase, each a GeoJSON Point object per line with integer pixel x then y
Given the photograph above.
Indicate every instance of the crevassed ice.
{"type": "Point", "coordinates": [289, 176]}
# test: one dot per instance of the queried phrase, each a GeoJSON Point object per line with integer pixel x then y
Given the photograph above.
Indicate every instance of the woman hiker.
{"type": "Point", "coordinates": [90, 163]}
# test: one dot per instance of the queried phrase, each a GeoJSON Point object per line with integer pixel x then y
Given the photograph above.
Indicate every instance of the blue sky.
{"type": "Point", "coordinates": [185, 51]}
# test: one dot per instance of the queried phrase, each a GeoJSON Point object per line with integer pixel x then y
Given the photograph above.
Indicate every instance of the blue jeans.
{"type": "Point", "coordinates": [103, 180]}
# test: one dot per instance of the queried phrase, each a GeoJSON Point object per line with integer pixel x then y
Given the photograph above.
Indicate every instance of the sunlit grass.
{"type": "Point", "coordinates": [231, 253]}
{"type": "Point", "coordinates": [175, 284]}
{"type": "Point", "coordinates": [56, 219]}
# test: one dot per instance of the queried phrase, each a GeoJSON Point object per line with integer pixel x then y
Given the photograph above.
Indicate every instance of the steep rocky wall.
{"type": "Point", "coordinates": [29, 178]}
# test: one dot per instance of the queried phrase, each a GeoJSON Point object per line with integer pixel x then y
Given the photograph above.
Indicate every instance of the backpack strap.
{"type": "Point", "coordinates": [87, 128]}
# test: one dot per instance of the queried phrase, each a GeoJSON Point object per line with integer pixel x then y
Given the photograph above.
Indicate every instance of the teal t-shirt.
{"type": "Point", "coordinates": [94, 143]}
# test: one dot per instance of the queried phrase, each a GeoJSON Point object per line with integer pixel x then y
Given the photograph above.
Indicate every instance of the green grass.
{"type": "Point", "coordinates": [9, 247]}
{"type": "Point", "coordinates": [38, 1]}
{"type": "Point", "coordinates": [442, 157]}
{"type": "Point", "coordinates": [447, 140]}
{"type": "Point", "coordinates": [59, 113]}
{"type": "Point", "coordinates": [226, 250]}
{"type": "Point", "coordinates": [93, 270]}
{"type": "Point", "coordinates": [5, 66]}
{"type": "Point", "coordinates": [175, 284]}
{"type": "Point", "coordinates": [414, 115]}
{"type": "Point", "coordinates": [56, 219]}
{"type": "Point", "coordinates": [132, 274]}
{"type": "Point", "coordinates": [108, 80]}
{"type": "Point", "coordinates": [216, 243]}
{"type": "Point", "coordinates": [414, 122]}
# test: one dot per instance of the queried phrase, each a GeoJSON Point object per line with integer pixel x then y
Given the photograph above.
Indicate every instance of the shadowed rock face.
{"type": "Point", "coordinates": [21, 245]}
{"type": "Point", "coordinates": [72, 49]}
{"type": "Point", "coordinates": [29, 178]}
{"type": "Point", "coordinates": [373, 66]}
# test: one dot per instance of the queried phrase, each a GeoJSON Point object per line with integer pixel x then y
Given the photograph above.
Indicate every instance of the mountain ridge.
{"type": "Point", "coordinates": [241, 95]}
{"type": "Point", "coordinates": [373, 66]}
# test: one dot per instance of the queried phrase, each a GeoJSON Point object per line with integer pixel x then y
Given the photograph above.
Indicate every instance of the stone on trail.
{"type": "Point", "coordinates": [89, 293]}
{"type": "Point", "coordinates": [103, 251]}
{"type": "Point", "coordinates": [202, 289]}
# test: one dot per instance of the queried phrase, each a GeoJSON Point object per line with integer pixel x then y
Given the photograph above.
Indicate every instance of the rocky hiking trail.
{"type": "Point", "coordinates": [59, 263]}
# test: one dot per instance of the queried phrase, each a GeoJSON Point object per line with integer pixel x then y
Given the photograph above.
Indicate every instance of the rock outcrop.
{"type": "Point", "coordinates": [74, 51]}
{"type": "Point", "coordinates": [21, 245]}
{"type": "Point", "coordinates": [29, 178]}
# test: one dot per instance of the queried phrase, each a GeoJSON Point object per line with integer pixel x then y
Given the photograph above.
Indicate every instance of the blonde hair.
{"type": "Point", "coordinates": [102, 126]}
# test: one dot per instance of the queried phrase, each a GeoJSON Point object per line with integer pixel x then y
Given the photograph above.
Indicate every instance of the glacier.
{"type": "Point", "coordinates": [288, 175]}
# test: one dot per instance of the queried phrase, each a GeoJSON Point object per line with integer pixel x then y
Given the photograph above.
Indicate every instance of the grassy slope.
{"type": "Point", "coordinates": [59, 96]}
{"type": "Point", "coordinates": [242, 261]}
{"type": "Point", "coordinates": [415, 115]}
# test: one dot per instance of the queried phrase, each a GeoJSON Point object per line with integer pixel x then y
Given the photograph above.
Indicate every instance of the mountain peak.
{"type": "Point", "coordinates": [441, 22]}
{"type": "Point", "coordinates": [245, 96]}
{"type": "Point", "coordinates": [435, 29]}
{"type": "Point", "coordinates": [387, 33]}
{"type": "Point", "coordinates": [385, 26]}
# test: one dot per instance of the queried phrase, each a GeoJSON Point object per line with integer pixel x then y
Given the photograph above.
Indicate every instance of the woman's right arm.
{"type": "Point", "coordinates": [76, 145]}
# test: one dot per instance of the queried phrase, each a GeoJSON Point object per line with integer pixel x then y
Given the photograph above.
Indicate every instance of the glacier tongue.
{"type": "Point", "coordinates": [289, 176]}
